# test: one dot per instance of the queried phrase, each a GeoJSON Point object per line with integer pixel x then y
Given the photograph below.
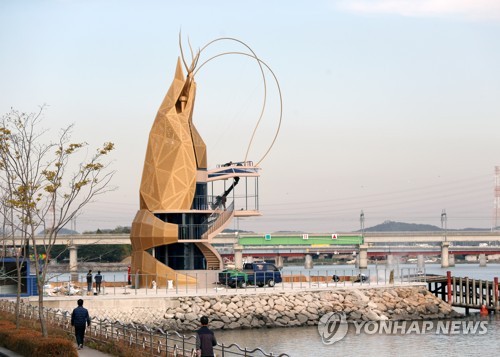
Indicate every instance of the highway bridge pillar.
{"type": "Point", "coordinates": [445, 263]}
{"type": "Point", "coordinates": [451, 260]}
{"type": "Point", "coordinates": [238, 256]}
{"type": "Point", "coordinates": [482, 260]}
{"type": "Point", "coordinates": [420, 262]}
{"type": "Point", "coordinates": [73, 262]}
{"type": "Point", "coordinates": [308, 263]}
{"type": "Point", "coordinates": [279, 261]}
{"type": "Point", "coordinates": [363, 256]}
{"type": "Point", "coordinates": [390, 261]}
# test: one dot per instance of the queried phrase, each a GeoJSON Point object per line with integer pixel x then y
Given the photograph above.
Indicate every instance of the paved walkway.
{"type": "Point", "coordinates": [90, 352]}
{"type": "Point", "coordinates": [8, 353]}
{"type": "Point", "coordinates": [85, 352]}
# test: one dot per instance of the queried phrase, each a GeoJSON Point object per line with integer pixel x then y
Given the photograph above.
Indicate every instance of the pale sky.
{"type": "Point", "coordinates": [390, 106]}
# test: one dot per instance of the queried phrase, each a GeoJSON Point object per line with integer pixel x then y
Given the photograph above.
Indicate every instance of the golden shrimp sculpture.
{"type": "Point", "coordinates": [177, 219]}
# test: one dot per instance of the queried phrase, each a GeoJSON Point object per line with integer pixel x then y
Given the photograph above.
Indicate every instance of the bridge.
{"type": "Point", "coordinates": [446, 244]}
{"type": "Point", "coordinates": [372, 250]}
{"type": "Point", "coordinates": [370, 238]}
{"type": "Point", "coordinates": [368, 244]}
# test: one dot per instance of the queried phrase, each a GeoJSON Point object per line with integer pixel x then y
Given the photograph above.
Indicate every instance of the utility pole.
{"type": "Point", "coordinates": [362, 223]}
{"type": "Point", "coordinates": [447, 260]}
{"type": "Point", "coordinates": [496, 199]}
{"type": "Point", "coordinates": [73, 224]}
{"type": "Point", "coordinates": [444, 224]}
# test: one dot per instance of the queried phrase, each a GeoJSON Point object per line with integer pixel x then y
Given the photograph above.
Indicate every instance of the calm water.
{"type": "Point", "coordinates": [306, 341]}
{"type": "Point", "coordinates": [460, 270]}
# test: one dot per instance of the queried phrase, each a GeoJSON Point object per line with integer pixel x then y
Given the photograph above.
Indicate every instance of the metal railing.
{"type": "Point", "coordinates": [211, 224]}
{"type": "Point", "coordinates": [192, 231]}
{"type": "Point", "coordinates": [153, 341]}
{"type": "Point", "coordinates": [210, 283]}
{"type": "Point", "coordinates": [238, 163]}
{"type": "Point", "coordinates": [209, 202]}
{"type": "Point", "coordinates": [221, 219]}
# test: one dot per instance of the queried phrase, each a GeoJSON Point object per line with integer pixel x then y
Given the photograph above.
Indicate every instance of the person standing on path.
{"type": "Point", "coordinates": [79, 319]}
{"type": "Point", "coordinates": [89, 282]}
{"type": "Point", "coordinates": [98, 280]}
{"type": "Point", "coordinates": [205, 339]}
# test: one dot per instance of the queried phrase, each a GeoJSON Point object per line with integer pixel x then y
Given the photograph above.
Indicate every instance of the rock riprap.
{"type": "Point", "coordinates": [287, 309]}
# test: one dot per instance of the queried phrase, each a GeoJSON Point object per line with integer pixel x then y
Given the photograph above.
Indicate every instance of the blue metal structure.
{"type": "Point", "coordinates": [8, 278]}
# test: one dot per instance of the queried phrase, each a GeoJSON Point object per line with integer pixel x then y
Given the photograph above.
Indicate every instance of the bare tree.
{"type": "Point", "coordinates": [50, 183]}
{"type": "Point", "coordinates": [11, 248]}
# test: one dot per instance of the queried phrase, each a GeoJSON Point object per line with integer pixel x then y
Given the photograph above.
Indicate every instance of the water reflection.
{"type": "Point", "coordinates": [305, 341]}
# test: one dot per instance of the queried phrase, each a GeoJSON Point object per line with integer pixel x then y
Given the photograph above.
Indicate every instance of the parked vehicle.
{"type": "Point", "coordinates": [258, 273]}
{"type": "Point", "coordinates": [233, 278]}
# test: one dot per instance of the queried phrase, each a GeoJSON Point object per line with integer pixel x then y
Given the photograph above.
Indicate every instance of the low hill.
{"type": "Point", "coordinates": [63, 231]}
{"type": "Point", "coordinates": [391, 226]}
{"type": "Point", "coordinates": [229, 230]}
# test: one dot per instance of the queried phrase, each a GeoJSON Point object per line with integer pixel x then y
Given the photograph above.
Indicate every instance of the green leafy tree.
{"type": "Point", "coordinates": [49, 183]}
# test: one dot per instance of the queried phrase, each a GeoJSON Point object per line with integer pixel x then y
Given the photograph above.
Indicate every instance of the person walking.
{"type": "Point", "coordinates": [205, 339]}
{"type": "Point", "coordinates": [98, 280]}
{"type": "Point", "coordinates": [89, 282]}
{"type": "Point", "coordinates": [79, 319]}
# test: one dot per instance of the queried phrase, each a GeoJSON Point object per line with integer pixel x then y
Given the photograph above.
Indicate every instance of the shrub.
{"type": "Point", "coordinates": [54, 346]}
{"type": "Point", "coordinates": [17, 339]}
{"type": "Point", "coordinates": [28, 342]}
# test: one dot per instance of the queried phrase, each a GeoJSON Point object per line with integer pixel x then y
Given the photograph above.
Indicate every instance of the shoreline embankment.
{"type": "Point", "coordinates": [271, 309]}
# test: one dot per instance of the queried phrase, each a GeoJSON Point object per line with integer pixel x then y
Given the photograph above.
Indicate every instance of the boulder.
{"type": "Point", "coordinates": [216, 325]}
{"type": "Point", "coordinates": [234, 325]}
{"type": "Point", "coordinates": [302, 318]}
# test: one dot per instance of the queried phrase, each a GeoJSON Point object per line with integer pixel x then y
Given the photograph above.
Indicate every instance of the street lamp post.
{"type": "Point", "coordinates": [445, 263]}
{"type": "Point", "coordinates": [362, 223]}
{"type": "Point", "coordinates": [444, 224]}
{"type": "Point", "coordinates": [362, 258]}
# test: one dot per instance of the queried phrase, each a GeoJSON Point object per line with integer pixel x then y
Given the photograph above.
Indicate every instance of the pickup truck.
{"type": "Point", "coordinates": [259, 274]}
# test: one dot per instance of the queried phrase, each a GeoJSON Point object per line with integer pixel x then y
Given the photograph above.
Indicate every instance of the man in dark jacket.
{"type": "Point", "coordinates": [80, 318]}
{"type": "Point", "coordinates": [89, 282]}
{"type": "Point", "coordinates": [98, 280]}
{"type": "Point", "coordinates": [205, 339]}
